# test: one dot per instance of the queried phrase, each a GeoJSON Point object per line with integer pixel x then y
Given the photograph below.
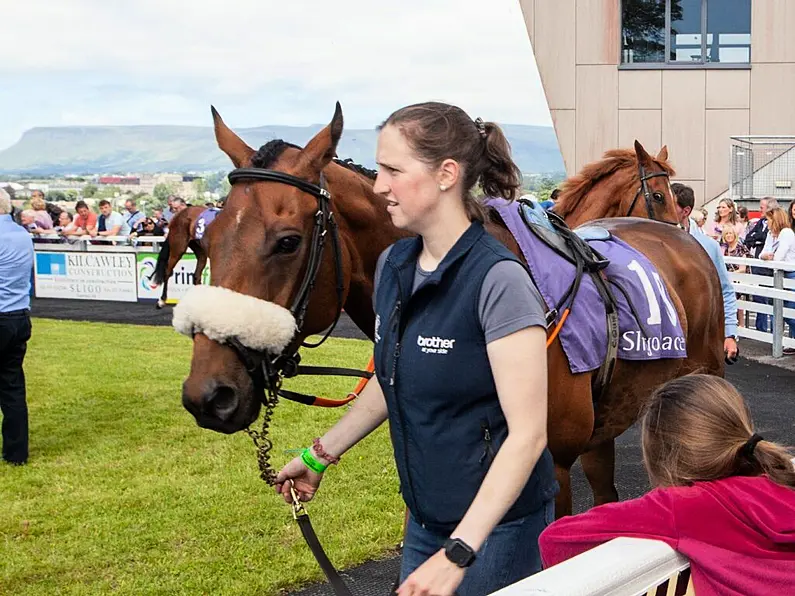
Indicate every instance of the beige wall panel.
{"type": "Point", "coordinates": [567, 139]}
{"type": "Point", "coordinates": [697, 186]}
{"type": "Point", "coordinates": [721, 125]}
{"type": "Point", "coordinates": [554, 48]}
{"type": "Point", "coordinates": [597, 31]}
{"type": "Point", "coordinates": [728, 89]}
{"type": "Point", "coordinates": [683, 120]}
{"type": "Point", "coordinates": [773, 99]}
{"type": "Point", "coordinates": [642, 125]}
{"type": "Point", "coordinates": [597, 112]}
{"type": "Point", "coordinates": [527, 7]}
{"type": "Point", "coordinates": [772, 24]}
{"type": "Point", "coordinates": [640, 89]}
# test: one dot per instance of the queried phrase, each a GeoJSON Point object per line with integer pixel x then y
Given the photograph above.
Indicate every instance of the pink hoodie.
{"type": "Point", "coordinates": [739, 533]}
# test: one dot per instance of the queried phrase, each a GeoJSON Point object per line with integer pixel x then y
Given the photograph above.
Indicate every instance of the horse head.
{"type": "Point", "coordinates": [279, 274]}
{"type": "Point", "coordinates": [623, 183]}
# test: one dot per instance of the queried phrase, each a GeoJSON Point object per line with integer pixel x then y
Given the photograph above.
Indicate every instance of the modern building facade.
{"type": "Point", "coordinates": [689, 74]}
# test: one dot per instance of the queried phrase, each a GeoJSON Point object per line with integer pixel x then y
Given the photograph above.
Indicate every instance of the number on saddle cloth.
{"type": "Point", "coordinates": [205, 218]}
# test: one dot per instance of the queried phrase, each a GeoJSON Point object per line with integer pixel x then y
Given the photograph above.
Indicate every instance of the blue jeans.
{"type": "Point", "coordinates": [762, 319]}
{"type": "Point", "coordinates": [509, 554]}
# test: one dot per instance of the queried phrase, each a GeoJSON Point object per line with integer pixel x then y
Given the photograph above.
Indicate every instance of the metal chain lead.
{"type": "Point", "coordinates": [261, 441]}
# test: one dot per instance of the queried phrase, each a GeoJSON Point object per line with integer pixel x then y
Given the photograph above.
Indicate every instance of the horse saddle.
{"type": "Point", "coordinates": [570, 244]}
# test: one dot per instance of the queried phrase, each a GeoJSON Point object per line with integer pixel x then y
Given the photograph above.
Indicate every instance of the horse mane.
{"type": "Point", "coordinates": [267, 155]}
{"type": "Point", "coordinates": [574, 189]}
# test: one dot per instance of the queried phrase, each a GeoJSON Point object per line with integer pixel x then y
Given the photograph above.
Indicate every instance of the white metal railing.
{"type": "Point", "coordinates": [621, 567]}
{"type": "Point", "coordinates": [777, 289]}
{"type": "Point", "coordinates": [85, 242]}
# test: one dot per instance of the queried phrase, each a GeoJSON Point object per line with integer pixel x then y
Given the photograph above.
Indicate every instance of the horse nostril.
{"type": "Point", "coordinates": [220, 402]}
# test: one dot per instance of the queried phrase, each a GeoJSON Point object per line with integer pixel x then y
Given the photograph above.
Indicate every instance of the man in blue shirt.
{"type": "Point", "coordinates": [16, 266]}
{"type": "Point", "coordinates": [685, 200]}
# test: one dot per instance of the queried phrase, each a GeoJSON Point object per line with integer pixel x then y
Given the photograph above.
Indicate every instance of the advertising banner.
{"type": "Point", "coordinates": [85, 276]}
{"type": "Point", "coordinates": [178, 284]}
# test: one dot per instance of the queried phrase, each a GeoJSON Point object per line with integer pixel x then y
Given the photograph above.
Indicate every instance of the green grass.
{"type": "Point", "coordinates": [125, 494]}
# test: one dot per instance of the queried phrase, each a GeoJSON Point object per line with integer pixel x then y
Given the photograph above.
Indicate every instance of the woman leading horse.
{"type": "Point", "coordinates": [274, 286]}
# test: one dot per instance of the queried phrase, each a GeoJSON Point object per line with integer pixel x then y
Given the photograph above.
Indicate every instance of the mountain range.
{"type": "Point", "coordinates": [124, 149]}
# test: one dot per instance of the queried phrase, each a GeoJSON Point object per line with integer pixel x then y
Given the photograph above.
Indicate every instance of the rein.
{"type": "Point", "coordinates": [267, 371]}
{"type": "Point", "coordinates": [647, 194]}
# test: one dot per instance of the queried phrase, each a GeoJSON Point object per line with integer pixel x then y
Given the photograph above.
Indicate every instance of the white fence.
{"type": "Point", "coordinates": [777, 289]}
{"type": "Point", "coordinates": [621, 567]}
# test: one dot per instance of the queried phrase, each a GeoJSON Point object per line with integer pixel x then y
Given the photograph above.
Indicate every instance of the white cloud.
{"type": "Point", "coordinates": [262, 61]}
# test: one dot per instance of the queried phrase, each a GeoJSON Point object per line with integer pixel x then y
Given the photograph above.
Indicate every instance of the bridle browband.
{"type": "Point", "coordinates": [267, 370]}
{"type": "Point", "coordinates": [647, 194]}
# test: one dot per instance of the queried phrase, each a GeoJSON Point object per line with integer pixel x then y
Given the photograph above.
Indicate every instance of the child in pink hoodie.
{"type": "Point", "coordinates": [725, 497]}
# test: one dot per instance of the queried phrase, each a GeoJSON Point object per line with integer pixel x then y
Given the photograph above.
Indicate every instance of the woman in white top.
{"type": "Point", "coordinates": [780, 246]}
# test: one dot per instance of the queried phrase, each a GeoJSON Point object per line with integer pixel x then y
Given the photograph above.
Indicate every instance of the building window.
{"type": "Point", "coordinates": [685, 32]}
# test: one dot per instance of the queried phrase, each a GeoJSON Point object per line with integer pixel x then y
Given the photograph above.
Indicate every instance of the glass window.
{"type": "Point", "coordinates": [643, 33]}
{"type": "Point", "coordinates": [728, 31]}
{"type": "Point", "coordinates": [686, 31]}
{"type": "Point", "coordinates": [685, 44]}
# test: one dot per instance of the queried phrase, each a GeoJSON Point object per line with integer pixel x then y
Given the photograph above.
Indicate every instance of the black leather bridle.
{"type": "Point", "coordinates": [647, 194]}
{"type": "Point", "coordinates": [267, 370]}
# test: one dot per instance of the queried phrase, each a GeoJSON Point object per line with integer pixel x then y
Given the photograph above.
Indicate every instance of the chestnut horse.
{"type": "Point", "coordinates": [262, 245]}
{"type": "Point", "coordinates": [181, 236]}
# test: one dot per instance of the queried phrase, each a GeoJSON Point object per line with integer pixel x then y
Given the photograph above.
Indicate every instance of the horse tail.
{"type": "Point", "coordinates": [159, 275]}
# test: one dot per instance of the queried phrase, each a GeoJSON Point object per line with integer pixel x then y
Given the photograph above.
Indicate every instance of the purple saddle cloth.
{"type": "Point", "coordinates": [654, 334]}
{"type": "Point", "coordinates": [205, 218]}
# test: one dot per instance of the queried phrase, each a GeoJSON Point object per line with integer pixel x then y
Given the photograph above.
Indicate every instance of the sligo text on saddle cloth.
{"type": "Point", "coordinates": [654, 334]}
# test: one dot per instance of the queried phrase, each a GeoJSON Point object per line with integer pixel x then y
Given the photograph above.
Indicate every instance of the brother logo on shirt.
{"type": "Point", "coordinates": [435, 345]}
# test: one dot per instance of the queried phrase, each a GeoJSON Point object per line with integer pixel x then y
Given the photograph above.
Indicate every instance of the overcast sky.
{"type": "Point", "coordinates": [83, 62]}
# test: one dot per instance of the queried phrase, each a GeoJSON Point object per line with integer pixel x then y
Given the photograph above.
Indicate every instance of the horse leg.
{"type": "Point", "coordinates": [599, 465]}
{"type": "Point", "coordinates": [201, 262]}
{"type": "Point", "coordinates": [173, 259]}
{"type": "Point", "coordinates": [161, 302]}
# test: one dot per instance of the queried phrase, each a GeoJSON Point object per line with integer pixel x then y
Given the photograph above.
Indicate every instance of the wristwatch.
{"type": "Point", "coordinates": [459, 552]}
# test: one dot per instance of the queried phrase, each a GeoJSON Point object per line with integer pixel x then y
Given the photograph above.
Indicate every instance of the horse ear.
{"type": "Point", "coordinates": [229, 142]}
{"type": "Point", "coordinates": [643, 157]}
{"type": "Point", "coordinates": [323, 147]}
{"type": "Point", "coordinates": [663, 154]}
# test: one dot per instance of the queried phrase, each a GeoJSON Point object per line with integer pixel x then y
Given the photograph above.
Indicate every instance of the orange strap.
{"type": "Point", "coordinates": [558, 327]}
{"type": "Point", "coordinates": [324, 402]}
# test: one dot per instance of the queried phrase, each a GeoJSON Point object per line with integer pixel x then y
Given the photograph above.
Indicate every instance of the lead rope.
{"type": "Point", "coordinates": [264, 445]}
{"type": "Point", "coordinates": [262, 442]}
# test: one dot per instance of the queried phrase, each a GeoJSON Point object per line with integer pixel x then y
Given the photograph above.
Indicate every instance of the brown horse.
{"type": "Point", "coordinates": [263, 241]}
{"type": "Point", "coordinates": [181, 237]}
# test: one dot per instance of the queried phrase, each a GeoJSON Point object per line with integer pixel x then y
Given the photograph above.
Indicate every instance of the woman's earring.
{"type": "Point", "coordinates": [442, 187]}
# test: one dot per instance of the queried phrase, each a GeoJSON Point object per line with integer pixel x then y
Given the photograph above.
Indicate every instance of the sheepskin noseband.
{"type": "Point", "coordinates": [220, 314]}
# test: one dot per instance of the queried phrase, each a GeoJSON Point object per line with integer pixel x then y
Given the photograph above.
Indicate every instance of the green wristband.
{"type": "Point", "coordinates": [311, 462]}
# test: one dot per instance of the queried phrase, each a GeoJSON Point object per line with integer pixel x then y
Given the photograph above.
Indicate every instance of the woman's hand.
{"type": "Point", "coordinates": [766, 256]}
{"type": "Point", "coordinates": [438, 576]}
{"type": "Point", "coordinates": [295, 474]}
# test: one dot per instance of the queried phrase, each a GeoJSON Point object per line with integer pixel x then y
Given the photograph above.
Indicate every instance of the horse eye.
{"type": "Point", "coordinates": [658, 196]}
{"type": "Point", "coordinates": [288, 244]}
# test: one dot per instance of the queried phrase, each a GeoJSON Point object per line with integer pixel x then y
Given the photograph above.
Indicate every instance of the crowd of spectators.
{"type": "Point", "coordinates": [48, 222]}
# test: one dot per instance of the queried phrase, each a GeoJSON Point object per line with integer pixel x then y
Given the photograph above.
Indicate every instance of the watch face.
{"type": "Point", "coordinates": [459, 553]}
